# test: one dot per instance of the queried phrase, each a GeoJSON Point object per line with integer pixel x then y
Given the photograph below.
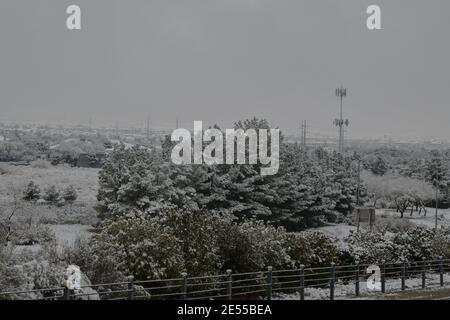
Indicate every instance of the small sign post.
{"type": "Point", "coordinates": [365, 215]}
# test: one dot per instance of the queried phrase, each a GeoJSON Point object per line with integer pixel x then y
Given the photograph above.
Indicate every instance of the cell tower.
{"type": "Point", "coordinates": [341, 123]}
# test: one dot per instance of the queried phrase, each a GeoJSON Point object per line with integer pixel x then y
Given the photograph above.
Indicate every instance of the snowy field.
{"type": "Point", "coordinates": [428, 220]}
{"type": "Point", "coordinates": [66, 223]}
{"type": "Point", "coordinates": [67, 234]}
{"type": "Point", "coordinates": [15, 179]}
{"type": "Point", "coordinates": [385, 217]}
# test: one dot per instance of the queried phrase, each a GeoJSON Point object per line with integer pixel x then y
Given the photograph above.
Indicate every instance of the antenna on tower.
{"type": "Point", "coordinates": [340, 122]}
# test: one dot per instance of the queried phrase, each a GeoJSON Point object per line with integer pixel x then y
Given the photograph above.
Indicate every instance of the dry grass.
{"type": "Point", "coordinates": [84, 180]}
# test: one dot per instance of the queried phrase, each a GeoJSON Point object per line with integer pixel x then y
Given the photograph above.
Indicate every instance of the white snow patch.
{"type": "Point", "coordinates": [347, 291]}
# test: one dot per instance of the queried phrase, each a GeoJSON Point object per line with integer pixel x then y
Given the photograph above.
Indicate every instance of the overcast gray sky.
{"type": "Point", "coordinates": [224, 60]}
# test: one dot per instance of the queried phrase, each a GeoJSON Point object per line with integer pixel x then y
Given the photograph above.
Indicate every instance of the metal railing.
{"type": "Point", "coordinates": [267, 284]}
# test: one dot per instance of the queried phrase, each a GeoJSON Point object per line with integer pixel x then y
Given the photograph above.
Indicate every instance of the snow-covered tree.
{"type": "Point", "coordinates": [32, 191]}
{"type": "Point", "coordinates": [436, 170]}
{"type": "Point", "coordinates": [379, 167]}
{"type": "Point", "coordinates": [69, 194]}
{"type": "Point", "coordinates": [51, 194]}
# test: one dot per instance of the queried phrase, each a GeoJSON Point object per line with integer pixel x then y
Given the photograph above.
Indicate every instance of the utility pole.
{"type": "Point", "coordinates": [436, 185]}
{"type": "Point", "coordinates": [148, 127]}
{"type": "Point", "coordinates": [303, 134]}
{"type": "Point", "coordinates": [341, 123]}
{"type": "Point", "coordinates": [117, 129]}
{"type": "Point", "coordinates": [436, 215]}
{"type": "Point", "coordinates": [359, 181]}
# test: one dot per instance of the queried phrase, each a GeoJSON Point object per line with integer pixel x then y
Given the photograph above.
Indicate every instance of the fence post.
{"type": "Point", "coordinates": [441, 271]}
{"type": "Point", "coordinates": [130, 288]}
{"type": "Point", "coordinates": [332, 279]}
{"type": "Point", "coordinates": [302, 282]}
{"type": "Point", "coordinates": [269, 283]}
{"type": "Point", "coordinates": [184, 286]}
{"type": "Point", "coordinates": [66, 291]}
{"type": "Point", "coordinates": [403, 275]}
{"type": "Point", "coordinates": [423, 275]}
{"type": "Point", "coordinates": [229, 285]}
{"type": "Point", "coordinates": [383, 276]}
{"type": "Point", "coordinates": [357, 279]}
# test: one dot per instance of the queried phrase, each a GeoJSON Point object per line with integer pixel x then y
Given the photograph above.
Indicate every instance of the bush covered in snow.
{"type": "Point", "coordinates": [197, 234]}
{"type": "Point", "coordinates": [32, 192]}
{"type": "Point", "coordinates": [313, 249]}
{"type": "Point", "coordinates": [181, 240]}
{"type": "Point", "coordinates": [97, 258]}
{"type": "Point", "coordinates": [415, 244]}
{"type": "Point", "coordinates": [69, 194]}
{"type": "Point", "coordinates": [41, 274]}
{"type": "Point", "coordinates": [51, 194]}
{"type": "Point", "coordinates": [267, 246]}
{"type": "Point", "coordinates": [151, 250]}
{"type": "Point", "coordinates": [200, 243]}
{"type": "Point", "coordinates": [421, 243]}
{"type": "Point", "coordinates": [369, 247]}
{"type": "Point", "coordinates": [10, 277]}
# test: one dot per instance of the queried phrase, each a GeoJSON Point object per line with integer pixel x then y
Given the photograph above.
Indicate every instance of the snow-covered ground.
{"type": "Point", "coordinates": [385, 216]}
{"type": "Point", "coordinates": [347, 291]}
{"type": "Point", "coordinates": [428, 220]}
{"type": "Point", "coordinates": [66, 234]}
